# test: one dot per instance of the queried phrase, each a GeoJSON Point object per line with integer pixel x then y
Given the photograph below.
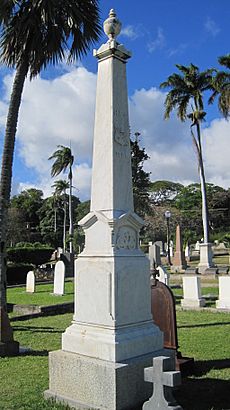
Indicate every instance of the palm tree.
{"type": "Point", "coordinates": [34, 34]}
{"type": "Point", "coordinates": [60, 188]}
{"type": "Point", "coordinates": [64, 160]}
{"type": "Point", "coordinates": [187, 89]}
{"type": "Point", "coordinates": [221, 87]}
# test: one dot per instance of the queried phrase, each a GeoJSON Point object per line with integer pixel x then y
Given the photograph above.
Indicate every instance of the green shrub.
{"type": "Point", "coordinates": [16, 273]}
{"type": "Point", "coordinates": [36, 253]}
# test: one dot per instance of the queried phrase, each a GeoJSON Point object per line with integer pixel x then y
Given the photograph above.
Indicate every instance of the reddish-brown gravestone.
{"type": "Point", "coordinates": [164, 315]}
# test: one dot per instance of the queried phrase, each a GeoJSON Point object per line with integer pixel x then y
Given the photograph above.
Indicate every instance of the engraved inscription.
{"type": "Point", "coordinates": [126, 238]}
{"type": "Point", "coordinates": [121, 133]}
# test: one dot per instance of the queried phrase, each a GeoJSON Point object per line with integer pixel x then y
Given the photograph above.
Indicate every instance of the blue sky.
{"type": "Point", "coordinates": [59, 106]}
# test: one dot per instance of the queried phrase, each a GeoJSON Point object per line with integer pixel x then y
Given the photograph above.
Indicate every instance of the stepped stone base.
{"type": "Point", "coordinates": [98, 384]}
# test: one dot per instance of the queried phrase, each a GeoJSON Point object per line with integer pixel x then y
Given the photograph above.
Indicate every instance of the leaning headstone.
{"type": "Point", "coordinates": [59, 278]}
{"type": "Point", "coordinates": [163, 275]}
{"type": "Point", "coordinates": [179, 262]}
{"type": "Point", "coordinates": [192, 292]}
{"type": "Point", "coordinates": [224, 293]}
{"type": "Point", "coordinates": [30, 282]}
{"type": "Point", "coordinates": [154, 256]}
{"type": "Point", "coordinates": [164, 378]}
{"type": "Point", "coordinates": [164, 315]}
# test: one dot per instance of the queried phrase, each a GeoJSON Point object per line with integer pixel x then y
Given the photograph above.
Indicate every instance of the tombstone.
{"type": "Point", "coordinates": [154, 256]}
{"type": "Point", "coordinates": [59, 278]}
{"type": "Point", "coordinates": [97, 366]}
{"type": "Point", "coordinates": [30, 282]}
{"type": "Point", "coordinates": [178, 262]}
{"type": "Point", "coordinates": [164, 315]}
{"type": "Point", "coordinates": [187, 252]}
{"type": "Point", "coordinates": [164, 378]}
{"type": "Point", "coordinates": [163, 275]}
{"type": "Point", "coordinates": [224, 293]}
{"type": "Point", "coordinates": [192, 293]}
{"type": "Point", "coordinates": [197, 246]}
{"type": "Point", "coordinates": [161, 245]}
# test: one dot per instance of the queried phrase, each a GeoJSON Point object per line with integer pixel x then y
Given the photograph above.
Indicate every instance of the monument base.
{"type": "Point", "coordinates": [193, 303]}
{"type": "Point", "coordinates": [205, 257]}
{"type": "Point", "coordinates": [98, 384]}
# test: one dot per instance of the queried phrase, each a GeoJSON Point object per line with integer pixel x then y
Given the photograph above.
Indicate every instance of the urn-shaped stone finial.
{"type": "Point", "coordinates": [112, 26]}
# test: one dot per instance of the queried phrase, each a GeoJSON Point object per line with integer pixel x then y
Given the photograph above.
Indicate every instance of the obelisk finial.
{"type": "Point", "coordinates": [112, 26]}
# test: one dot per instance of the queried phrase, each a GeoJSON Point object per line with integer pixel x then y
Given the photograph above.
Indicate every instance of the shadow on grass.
{"type": "Point", "coordinates": [37, 329]}
{"type": "Point", "coordinates": [30, 352]}
{"type": "Point", "coordinates": [203, 394]}
{"type": "Point", "coordinates": [202, 367]}
{"type": "Point", "coordinates": [204, 325]}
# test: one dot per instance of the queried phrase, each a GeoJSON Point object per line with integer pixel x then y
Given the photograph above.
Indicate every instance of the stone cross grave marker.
{"type": "Point", "coordinates": [163, 377]}
{"type": "Point", "coordinates": [59, 278]}
{"type": "Point", "coordinates": [30, 282]}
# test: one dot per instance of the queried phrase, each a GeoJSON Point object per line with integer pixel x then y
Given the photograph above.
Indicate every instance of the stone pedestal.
{"type": "Point", "coordinates": [205, 257]}
{"type": "Point", "coordinates": [224, 293]}
{"type": "Point", "coordinates": [192, 293]}
{"type": "Point", "coordinates": [112, 335]}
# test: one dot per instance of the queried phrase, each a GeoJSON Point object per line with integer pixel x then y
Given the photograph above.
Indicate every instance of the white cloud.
{"type": "Point", "coordinates": [158, 42]}
{"type": "Point", "coordinates": [217, 152]}
{"type": "Point", "coordinates": [130, 31]}
{"type": "Point", "coordinates": [211, 27]}
{"type": "Point", "coordinates": [56, 111]}
{"type": "Point", "coordinates": [53, 112]}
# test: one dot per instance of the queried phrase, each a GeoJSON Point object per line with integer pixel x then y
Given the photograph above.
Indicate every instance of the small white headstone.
{"type": "Point", "coordinates": [163, 275]}
{"type": "Point", "coordinates": [59, 278]}
{"type": "Point", "coordinates": [192, 292]}
{"type": "Point", "coordinates": [224, 293]}
{"type": "Point", "coordinates": [30, 282]}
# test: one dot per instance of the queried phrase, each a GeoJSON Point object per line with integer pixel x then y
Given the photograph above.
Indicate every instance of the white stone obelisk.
{"type": "Point", "coordinates": [112, 336]}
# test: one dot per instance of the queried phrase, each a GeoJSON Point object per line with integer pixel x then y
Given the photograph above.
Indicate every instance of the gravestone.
{"type": "Point", "coordinates": [178, 262]}
{"type": "Point", "coordinates": [59, 278]}
{"type": "Point", "coordinates": [192, 293]}
{"type": "Point", "coordinates": [154, 256]}
{"type": "Point", "coordinates": [164, 315]}
{"type": "Point", "coordinates": [163, 275]}
{"type": "Point", "coordinates": [164, 378]}
{"type": "Point", "coordinates": [161, 246]}
{"type": "Point", "coordinates": [30, 282]}
{"type": "Point", "coordinates": [224, 293]}
{"type": "Point", "coordinates": [112, 337]}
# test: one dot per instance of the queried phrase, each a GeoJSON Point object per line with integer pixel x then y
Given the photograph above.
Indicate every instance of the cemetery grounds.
{"type": "Point", "coordinates": [203, 335]}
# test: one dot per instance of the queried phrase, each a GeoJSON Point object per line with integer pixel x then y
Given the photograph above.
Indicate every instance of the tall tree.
{"type": "Point", "coordinates": [140, 178]}
{"type": "Point", "coordinates": [187, 90]}
{"type": "Point", "coordinates": [60, 193]}
{"type": "Point", "coordinates": [63, 160]}
{"type": "Point", "coordinates": [221, 87]}
{"type": "Point", "coordinates": [34, 34]}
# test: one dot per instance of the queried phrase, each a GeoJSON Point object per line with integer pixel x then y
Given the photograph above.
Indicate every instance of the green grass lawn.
{"type": "Point", "coordinates": [202, 335]}
{"type": "Point", "coordinates": [42, 297]}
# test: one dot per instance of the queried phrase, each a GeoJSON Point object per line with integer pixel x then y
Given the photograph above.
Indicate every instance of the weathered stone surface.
{"type": "Point", "coordinates": [97, 384]}
{"type": "Point", "coordinates": [164, 275]}
{"type": "Point", "coordinates": [154, 256]}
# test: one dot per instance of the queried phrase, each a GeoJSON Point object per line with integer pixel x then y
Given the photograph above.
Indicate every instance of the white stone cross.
{"type": "Point", "coordinates": [164, 380]}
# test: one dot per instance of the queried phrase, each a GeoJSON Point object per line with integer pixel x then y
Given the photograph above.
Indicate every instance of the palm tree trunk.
{"type": "Point", "coordinates": [64, 228]}
{"type": "Point", "coordinates": [70, 213]}
{"type": "Point", "coordinates": [5, 188]}
{"type": "Point", "coordinates": [205, 217]}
